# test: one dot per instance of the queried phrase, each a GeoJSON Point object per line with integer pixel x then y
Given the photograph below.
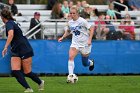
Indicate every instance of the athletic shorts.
{"type": "Point", "coordinates": [82, 50]}
{"type": "Point", "coordinates": [23, 51]}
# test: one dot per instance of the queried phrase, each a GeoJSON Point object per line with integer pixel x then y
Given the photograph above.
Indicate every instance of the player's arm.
{"type": "Point", "coordinates": [66, 33]}
{"type": "Point", "coordinates": [9, 39]}
{"type": "Point", "coordinates": [91, 32]}
{"type": "Point", "coordinates": [90, 27]}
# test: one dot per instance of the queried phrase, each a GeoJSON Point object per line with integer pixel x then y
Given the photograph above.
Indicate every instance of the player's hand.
{"type": "Point", "coordinates": [89, 42]}
{"type": "Point", "coordinates": [60, 39]}
{"type": "Point", "coordinates": [4, 52]}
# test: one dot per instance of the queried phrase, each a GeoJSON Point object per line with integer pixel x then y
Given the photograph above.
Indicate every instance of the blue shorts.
{"type": "Point", "coordinates": [23, 51]}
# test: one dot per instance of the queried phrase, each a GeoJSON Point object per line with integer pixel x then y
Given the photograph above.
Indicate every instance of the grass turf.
{"type": "Point", "coordinates": [85, 84]}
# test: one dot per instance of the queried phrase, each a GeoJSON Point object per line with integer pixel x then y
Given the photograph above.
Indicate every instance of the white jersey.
{"type": "Point", "coordinates": [80, 31]}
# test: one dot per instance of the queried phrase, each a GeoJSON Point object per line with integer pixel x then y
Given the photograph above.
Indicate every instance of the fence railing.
{"type": "Point", "coordinates": [29, 35]}
{"type": "Point", "coordinates": [58, 21]}
{"type": "Point", "coordinates": [2, 29]}
{"type": "Point", "coordinates": [56, 26]}
{"type": "Point", "coordinates": [114, 2]}
{"type": "Point", "coordinates": [6, 5]}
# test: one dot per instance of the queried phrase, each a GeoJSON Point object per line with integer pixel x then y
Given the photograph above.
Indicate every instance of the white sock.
{"type": "Point", "coordinates": [71, 67]}
{"type": "Point", "coordinates": [91, 63]}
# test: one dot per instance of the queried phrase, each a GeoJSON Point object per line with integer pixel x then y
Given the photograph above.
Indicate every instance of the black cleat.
{"type": "Point", "coordinates": [92, 66]}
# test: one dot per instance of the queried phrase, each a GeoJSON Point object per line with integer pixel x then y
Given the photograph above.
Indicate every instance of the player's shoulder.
{"type": "Point", "coordinates": [9, 23]}
{"type": "Point", "coordinates": [70, 21]}
{"type": "Point", "coordinates": [81, 19]}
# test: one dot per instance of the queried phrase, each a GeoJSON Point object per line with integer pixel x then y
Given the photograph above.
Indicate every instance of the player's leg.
{"type": "Point", "coordinates": [16, 71]}
{"type": "Point", "coordinates": [72, 53]}
{"type": "Point", "coordinates": [85, 57]}
{"type": "Point", "coordinates": [87, 62]}
{"type": "Point", "coordinates": [26, 64]}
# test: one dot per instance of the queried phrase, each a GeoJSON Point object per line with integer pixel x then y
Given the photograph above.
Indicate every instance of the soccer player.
{"type": "Point", "coordinates": [21, 52]}
{"type": "Point", "coordinates": [82, 33]}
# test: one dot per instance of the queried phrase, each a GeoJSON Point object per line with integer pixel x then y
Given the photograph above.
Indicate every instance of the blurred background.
{"type": "Point", "coordinates": [97, 2]}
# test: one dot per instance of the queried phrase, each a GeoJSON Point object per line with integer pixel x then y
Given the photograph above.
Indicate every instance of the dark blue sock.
{"type": "Point", "coordinates": [85, 61]}
{"type": "Point", "coordinates": [34, 77]}
{"type": "Point", "coordinates": [20, 78]}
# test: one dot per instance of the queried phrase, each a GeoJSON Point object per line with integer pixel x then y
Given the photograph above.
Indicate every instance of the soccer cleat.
{"type": "Point", "coordinates": [41, 86]}
{"type": "Point", "coordinates": [28, 90]}
{"type": "Point", "coordinates": [91, 67]}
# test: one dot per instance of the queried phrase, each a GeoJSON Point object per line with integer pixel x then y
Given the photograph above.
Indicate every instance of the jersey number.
{"type": "Point", "coordinates": [76, 32]}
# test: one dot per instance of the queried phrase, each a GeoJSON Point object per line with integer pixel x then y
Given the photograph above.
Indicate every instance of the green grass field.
{"type": "Point", "coordinates": [85, 84]}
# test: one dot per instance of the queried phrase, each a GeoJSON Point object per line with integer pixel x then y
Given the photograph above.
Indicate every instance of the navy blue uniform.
{"type": "Point", "coordinates": [20, 46]}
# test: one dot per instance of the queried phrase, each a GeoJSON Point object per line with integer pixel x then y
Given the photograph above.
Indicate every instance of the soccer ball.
{"type": "Point", "coordinates": [72, 78]}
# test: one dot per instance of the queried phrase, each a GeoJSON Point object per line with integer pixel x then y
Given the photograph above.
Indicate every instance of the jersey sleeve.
{"type": "Point", "coordinates": [87, 25]}
{"type": "Point", "coordinates": [9, 26]}
{"type": "Point", "coordinates": [66, 28]}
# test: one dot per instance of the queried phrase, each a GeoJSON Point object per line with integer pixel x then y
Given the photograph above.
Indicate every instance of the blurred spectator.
{"type": "Point", "coordinates": [69, 17]}
{"type": "Point", "coordinates": [111, 12]}
{"type": "Point", "coordinates": [1, 6]}
{"type": "Point", "coordinates": [127, 26]}
{"type": "Point", "coordinates": [35, 21]}
{"type": "Point", "coordinates": [100, 28]}
{"type": "Point", "coordinates": [57, 12]}
{"type": "Point", "coordinates": [89, 12]}
{"type": "Point", "coordinates": [110, 1]}
{"type": "Point", "coordinates": [86, 12]}
{"type": "Point", "coordinates": [112, 34]}
{"type": "Point", "coordinates": [134, 4]}
{"type": "Point", "coordinates": [120, 8]}
{"type": "Point", "coordinates": [94, 13]}
{"type": "Point", "coordinates": [79, 6]}
{"type": "Point", "coordinates": [65, 8]}
{"type": "Point", "coordinates": [109, 24]}
{"type": "Point", "coordinates": [84, 2]}
{"type": "Point", "coordinates": [14, 9]}
{"type": "Point", "coordinates": [70, 4]}
{"type": "Point", "coordinates": [51, 4]}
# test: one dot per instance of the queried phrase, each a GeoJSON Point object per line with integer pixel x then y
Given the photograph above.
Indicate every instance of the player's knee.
{"type": "Point", "coordinates": [26, 69]}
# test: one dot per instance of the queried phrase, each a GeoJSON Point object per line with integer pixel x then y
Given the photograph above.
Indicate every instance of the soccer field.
{"type": "Point", "coordinates": [85, 84]}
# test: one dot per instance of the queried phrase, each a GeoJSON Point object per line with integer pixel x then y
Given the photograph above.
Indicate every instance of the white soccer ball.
{"type": "Point", "coordinates": [72, 78]}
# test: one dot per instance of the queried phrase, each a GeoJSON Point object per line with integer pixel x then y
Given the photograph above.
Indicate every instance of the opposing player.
{"type": "Point", "coordinates": [82, 33]}
{"type": "Point", "coordinates": [21, 52]}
